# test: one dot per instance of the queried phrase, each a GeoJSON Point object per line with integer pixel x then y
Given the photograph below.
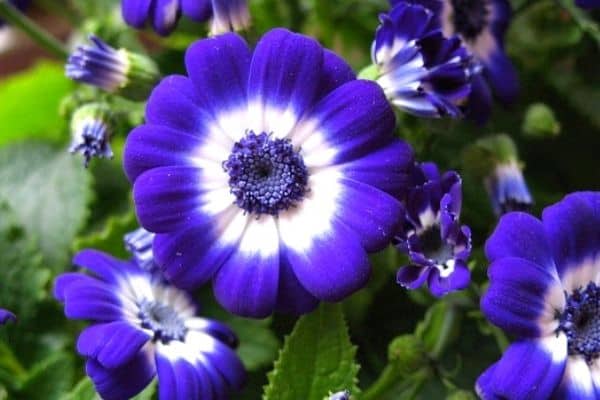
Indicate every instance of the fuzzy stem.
{"type": "Point", "coordinates": [17, 19]}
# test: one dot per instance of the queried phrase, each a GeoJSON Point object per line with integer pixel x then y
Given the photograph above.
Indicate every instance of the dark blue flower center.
{"type": "Point", "coordinates": [266, 175]}
{"type": "Point", "coordinates": [433, 247]}
{"type": "Point", "coordinates": [470, 17]}
{"type": "Point", "coordinates": [163, 320]}
{"type": "Point", "coordinates": [581, 322]}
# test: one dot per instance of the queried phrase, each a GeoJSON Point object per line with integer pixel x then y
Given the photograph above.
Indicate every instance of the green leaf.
{"type": "Point", "coordinates": [50, 191]}
{"type": "Point", "coordinates": [84, 390]}
{"type": "Point", "coordinates": [49, 379]}
{"type": "Point", "coordinates": [258, 345]}
{"type": "Point", "coordinates": [110, 237]}
{"type": "Point", "coordinates": [22, 276]}
{"type": "Point", "coordinates": [30, 101]}
{"type": "Point", "coordinates": [317, 358]}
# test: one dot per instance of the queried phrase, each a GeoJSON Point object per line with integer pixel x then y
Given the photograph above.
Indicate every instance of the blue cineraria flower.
{"type": "Point", "coordinates": [225, 15]}
{"type": "Point", "coordinates": [420, 70]}
{"type": "Point", "coordinates": [120, 71]}
{"type": "Point", "coordinates": [507, 188]}
{"type": "Point", "coordinates": [139, 244]}
{"type": "Point", "coordinates": [481, 24]}
{"type": "Point", "coordinates": [271, 173]}
{"type": "Point", "coordinates": [92, 129]}
{"type": "Point", "coordinates": [438, 246]}
{"type": "Point", "coordinates": [143, 328]}
{"type": "Point", "coordinates": [6, 316]}
{"type": "Point", "coordinates": [544, 290]}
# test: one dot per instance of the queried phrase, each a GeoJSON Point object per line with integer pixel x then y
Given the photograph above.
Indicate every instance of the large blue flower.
{"type": "Point", "coordinates": [272, 173]}
{"type": "Point", "coordinates": [544, 290]}
{"type": "Point", "coordinates": [225, 15]}
{"type": "Point", "coordinates": [431, 235]}
{"type": "Point", "coordinates": [145, 328]}
{"type": "Point", "coordinates": [481, 24]}
{"type": "Point", "coordinates": [420, 70]}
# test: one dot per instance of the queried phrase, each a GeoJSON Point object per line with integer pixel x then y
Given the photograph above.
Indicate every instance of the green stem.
{"type": "Point", "coordinates": [388, 378]}
{"type": "Point", "coordinates": [585, 23]}
{"type": "Point", "coordinates": [17, 19]}
{"type": "Point", "coordinates": [444, 334]}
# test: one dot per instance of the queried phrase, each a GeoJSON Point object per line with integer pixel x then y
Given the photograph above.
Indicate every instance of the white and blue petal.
{"type": "Point", "coordinates": [529, 369]}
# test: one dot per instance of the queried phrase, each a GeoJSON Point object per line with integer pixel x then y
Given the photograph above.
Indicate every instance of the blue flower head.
{"type": "Point", "coordinates": [420, 70]}
{"type": "Point", "coordinates": [262, 167]}
{"type": "Point", "coordinates": [507, 188]}
{"type": "Point", "coordinates": [92, 129]}
{"type": "Point", "coordinates": [481, 24]}
{"type": "Point", "coordinates": [225, 15]}
{"type": "Point", "coordinates": [431, 235]}
{"type": "Point", "coordinates": [142, 328]}
{"type": "Point", "coordinates": [6, 316]}
{"type": "Point", "coordinates": [544, 291]}
{"type": "Point", "coordinates": [120, 71]}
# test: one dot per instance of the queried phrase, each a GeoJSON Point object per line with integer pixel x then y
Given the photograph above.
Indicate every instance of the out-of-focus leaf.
{"type": "Point", "coordinates": [49, 191]}
{"type": "Point", "coordinates": [29, 103]}
{"type": "Point", "coordinates": [258, 345]}
{"type": "Point", "coordinates": [110, 237]}
{"type": "Point", "coordinates": [23, 277]}
{"type": "Point", "coordinates": [49, 379]}
{"type": "Point", "coordinates": [317, 359]}
{"type": "Point", "coordinates": [84, 390]}
{"type": "Point", "coordinates": [540, 121]}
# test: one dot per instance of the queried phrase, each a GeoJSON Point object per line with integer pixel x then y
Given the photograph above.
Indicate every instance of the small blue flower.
{"type": "Point", "coordinates": [437, 245]}
{"type": "Point", "coordinates": [119, 71]}
{"type": "Point", "coordinates": [343, 395]}
{"type": "Point", "coordinates": [142, 328]}
{"type": "Point", "coordinates": [262, 167]}
{"type": "Point", "coordinates": [544, 291]}
{"type": "Point", "coordinates": [92, 129]}
{"type": "Point", "coordinates": [507, 188]}
{"type": "Point", "coordinates": [225, 15]}
{"type": "Point", "coordinates": [6, 316]}
{"type": "Point", "coordinates": [481, 24]}
{"type": "Point", "coordinates": [420, 70]}
{"type": "Point", "coordinates": [139, 244]}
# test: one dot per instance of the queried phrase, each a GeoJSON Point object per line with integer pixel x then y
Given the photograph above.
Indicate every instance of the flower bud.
{"type": "Point", "coordinates": [121, 72]}
{"type": "Point", "coordinates": [92, 127]}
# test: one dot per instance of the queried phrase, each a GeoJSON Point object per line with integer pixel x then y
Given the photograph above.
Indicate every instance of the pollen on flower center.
{"type": "Point", "coordinates": [163, 320]}
{"type": "Point", "coordinates": [580, 321]}
{"type": "Point", "coordinates": [470, 17]}
{"type": "Point", "coordinates": [266, 175]}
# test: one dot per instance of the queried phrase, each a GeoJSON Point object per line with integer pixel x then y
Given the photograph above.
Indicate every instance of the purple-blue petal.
{"type": "Point", "coordinates": [286, 71]}
{"type": "Point", "coordinates": [459, 279]}
{"type": "Point", "coordinates": [292, 297]}
{"type": "Point", "coordinates": [123, 382]}
{"type": "Point", "coordinates": [520, 235]}
{"type": "Point", "coordinates": [165, 14]}
{"type": "Point", "coordinates": [573, 229]}
{"type": "Point", "coordinates": [527, 370]}
{"type": "Point", "coordinates": [517, 296]}
{"type": "Point", "coordinates": [113, 344]}
{"type": "Point", "coordinates": [6, 316]}
{"type": "Point", "coordinates": [197, 10]}
{"type": "Point", "coordinates": [136, 12]}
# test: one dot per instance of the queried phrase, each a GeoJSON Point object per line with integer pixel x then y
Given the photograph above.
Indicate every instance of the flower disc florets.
{"type": "Point", "coordinates": [163, 320]}
{"type": "Point", "coordinates": [266, 175]}
{"type": "Point", "coordinates": [581, 322]}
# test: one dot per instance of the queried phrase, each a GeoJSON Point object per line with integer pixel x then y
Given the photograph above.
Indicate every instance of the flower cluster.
{"type": "Point", "coordinates": [544, 291]}
{"type": "Point", "coordinates": [420, 70]}
{"type": "Point", "coordinates": [431, 235]}
{"type": "Point", "coordinates": [144, 327]}
{"type": "Point", "coordinates": [481, 26]}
